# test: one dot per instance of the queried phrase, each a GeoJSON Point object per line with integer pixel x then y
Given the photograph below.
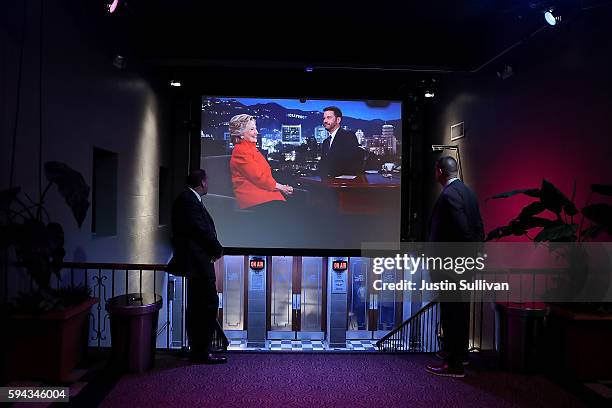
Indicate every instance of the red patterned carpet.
{"type": "Point", "coordinates": [328, 380]}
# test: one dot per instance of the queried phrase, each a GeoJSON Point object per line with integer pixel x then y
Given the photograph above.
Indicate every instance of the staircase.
{"type": "Point", "coordinates": [418, 334]}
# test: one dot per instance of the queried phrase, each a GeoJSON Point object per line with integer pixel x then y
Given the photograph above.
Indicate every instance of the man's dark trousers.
{"type": "Point", "coordinates": [202, 305]}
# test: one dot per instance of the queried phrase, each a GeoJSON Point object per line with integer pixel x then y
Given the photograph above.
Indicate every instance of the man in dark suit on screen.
{"type": "Point", "coordinates": [340, 152]}
{"type": "Point", "coordinates": [196, 248]}
{"type": "Point", "coordinates": [455, 219]}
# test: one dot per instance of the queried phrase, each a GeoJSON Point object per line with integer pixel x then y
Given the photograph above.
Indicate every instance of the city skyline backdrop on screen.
{"type": "Point", "coordinates": [291, 134]}
{"type": "Point", "coordinates": [352, 108]}
{"type": "Point", "coordinates": [291, 130]}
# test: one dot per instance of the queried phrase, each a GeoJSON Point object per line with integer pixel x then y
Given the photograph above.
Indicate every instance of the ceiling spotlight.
{"type": "Point", "coordinates": [429, 94]}
{"type": "Point", "coordinates": [119, 62]}
{"type": "Point", "coordinates": [111, 5]}
{"type": "Point", "coordinates": [309, 69]}
{"type": "Point", "coordinates": [175, 83]}
{"type": "Point", "coordinates": [551, 16]}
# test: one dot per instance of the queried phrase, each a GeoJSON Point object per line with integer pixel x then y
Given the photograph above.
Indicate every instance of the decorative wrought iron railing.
{"type": "Point", "coordinates": [107, 280]}
{"type": "Point", "coordinates": [417, 334]}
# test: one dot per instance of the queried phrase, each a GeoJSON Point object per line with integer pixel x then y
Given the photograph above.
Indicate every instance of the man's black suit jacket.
{"type": "Point", "coordinates": [456, 216]}
{"type": "Point", "coordinates": [194, 238]}
{"type": "Point", "coordinates": [344, 156]}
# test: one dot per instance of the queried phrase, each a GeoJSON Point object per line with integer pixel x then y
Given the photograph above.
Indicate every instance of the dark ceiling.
{"type": "Point", "coordinates": [381, 33]}
{"type": "Point", "coordinates": [259, 42]}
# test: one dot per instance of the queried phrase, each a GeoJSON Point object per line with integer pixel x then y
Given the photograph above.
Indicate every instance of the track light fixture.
{"type": "Point", "coordinates": [552, 16]}
{"type": "Point", "coordinates": [111, 5]}
{"type": "Point", "coordinates": [119, 62]}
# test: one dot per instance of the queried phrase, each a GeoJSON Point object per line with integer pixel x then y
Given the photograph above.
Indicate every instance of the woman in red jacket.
{"type": "Point", "coordinates": [254, 186]}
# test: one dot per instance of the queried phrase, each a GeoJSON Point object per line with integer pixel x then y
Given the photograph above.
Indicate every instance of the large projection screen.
{"type": "Point", "coordinates": [344, 195]}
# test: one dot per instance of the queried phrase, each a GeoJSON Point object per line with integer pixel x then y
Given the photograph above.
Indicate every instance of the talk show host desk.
{"type": "Point", "coordinates": [365, 194]}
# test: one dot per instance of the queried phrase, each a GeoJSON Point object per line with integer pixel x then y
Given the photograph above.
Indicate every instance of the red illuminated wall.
{"type": "Point", "coordinates": [552, 119]}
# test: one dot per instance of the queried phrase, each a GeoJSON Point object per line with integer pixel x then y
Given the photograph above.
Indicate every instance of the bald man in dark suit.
{"type": "Point", "coordinates": [455, 218]}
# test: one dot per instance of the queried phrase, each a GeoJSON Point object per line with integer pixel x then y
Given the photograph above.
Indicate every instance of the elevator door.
{"type": "Point", "coordinates": [296, 298]}
{"type": "Point", "coordinates": [281, 298]}
{"type": "Point", "coordinates": [233, 294]}
{"type": "Point", "coordinates": [371, 313]}
{"type": "Point", "coordinates": [358, 326]}
{"type": "Point", "coordinates": [309, 303]}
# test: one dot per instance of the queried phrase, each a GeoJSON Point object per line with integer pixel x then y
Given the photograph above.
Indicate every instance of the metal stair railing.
{"type": "Point", "coordinates": [418, 334]}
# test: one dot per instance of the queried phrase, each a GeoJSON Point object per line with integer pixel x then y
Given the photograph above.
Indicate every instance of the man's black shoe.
{"type": "Point", "coordinates": [208, 358]}
{"type": "Point", "coordinates": [445, 371]}
{"type": "Point", "coordinates": [442, 355]}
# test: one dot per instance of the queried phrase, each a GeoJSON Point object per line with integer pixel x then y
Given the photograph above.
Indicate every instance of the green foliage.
{"type": "Point", "coordinates": [531, 192]}
{"type": "Point", "coordinates": [562, 228]}
{"type": "Point", "coordinates": [53, 299]}
{"type": "Point", "coordinates": [39, 242]}
{"type": "Point", "coordinates": [602, 189]}
{"type": "Point", "coordinates": [558, 233]}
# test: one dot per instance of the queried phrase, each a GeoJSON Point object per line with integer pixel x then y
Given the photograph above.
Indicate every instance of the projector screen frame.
{"type": "Point", "coordinates": [411, 115]}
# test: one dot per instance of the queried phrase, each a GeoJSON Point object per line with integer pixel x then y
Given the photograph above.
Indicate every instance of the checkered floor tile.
{"type": "Point", "coordinates": [361, 345]}
{"type": "Point", "coordinates": [237, 345]}
{"type": "Point", "coordinates": [296, 345]}
{"type": "Point", "coordinates": [304, 345]}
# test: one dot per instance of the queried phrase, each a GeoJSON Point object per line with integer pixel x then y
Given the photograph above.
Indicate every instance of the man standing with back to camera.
{"type": "Point", "coordinates": [340, 152]}
{"type": "Point", "coordinates": [455, 218]}
{"type": "Point", "coordinates": [196, 248]}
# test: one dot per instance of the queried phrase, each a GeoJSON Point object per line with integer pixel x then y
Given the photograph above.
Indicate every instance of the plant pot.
{"type": "Point", "coordinates": [133, 323]}
{"type": "Point", "coordinates": [521, 335]}
{"type": "Point", "coordinates": [580, 343]}
{"type": "Point", "coordinates": [47, 346]}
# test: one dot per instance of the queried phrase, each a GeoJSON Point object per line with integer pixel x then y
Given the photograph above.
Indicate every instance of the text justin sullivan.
{"type": "Point", "coordinates": [477, 285]}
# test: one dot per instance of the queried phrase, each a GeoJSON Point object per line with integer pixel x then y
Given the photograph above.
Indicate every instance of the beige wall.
{"type": "Point", "coordinates": [86, 103]}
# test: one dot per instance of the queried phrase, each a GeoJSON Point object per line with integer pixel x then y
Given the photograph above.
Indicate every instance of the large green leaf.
{"type": "Point", "coordinates": [530, 210]}
{"type": "Point", "coordinates": [520, 226]}
{"type": "Point", "coordinates": [72, 187]}
{"type": "Point", "coordinates": [554, 200]}
{"type": "Point", "coordinates": [533, 222]}
{"type": "Point", "coordinates": [498, 233]}
{"type": "Point", "coordinates": [591, 232]}
{"type": "Point", "coordinates": [557, 232]}
{"type": "Point", "coordinates": [56, 251]}
{"type": "Point", "coordinates": [531, 192]}
{"type": "Point", "coordinates": [517, 228]}
{"type": "Point", "coordinates": [603, 189]}
{"type": "Point", "coordinates": [33, 249]}
{"type": "Point", "coordinates": [600, 214]}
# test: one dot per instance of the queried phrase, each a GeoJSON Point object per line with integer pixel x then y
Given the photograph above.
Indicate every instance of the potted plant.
{"type": "Point", "coordinates": [47, 328]}
{"type": "Point", "coordinates": [578, 334]}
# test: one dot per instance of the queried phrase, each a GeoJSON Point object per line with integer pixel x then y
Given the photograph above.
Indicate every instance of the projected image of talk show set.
{"type": "Point", "coordinates": [398, 204]}
{"type": "Point", "coordinates": [337, 192]}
